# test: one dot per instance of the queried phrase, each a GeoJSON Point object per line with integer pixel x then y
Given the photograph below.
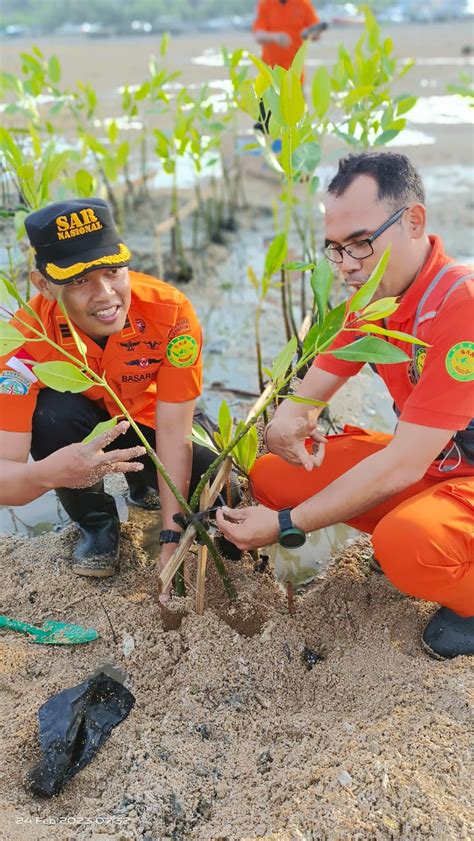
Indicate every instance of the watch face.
{"type": "Point", "coordinates": [292, 539]}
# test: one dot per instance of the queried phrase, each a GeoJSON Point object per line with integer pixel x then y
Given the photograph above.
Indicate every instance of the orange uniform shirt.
{"type": "Point", "coordinates": [291, 17]}
{"type": "Point", "coordinates": [443, 396]}
{"type": "Point", "coordinates": [157, 356]}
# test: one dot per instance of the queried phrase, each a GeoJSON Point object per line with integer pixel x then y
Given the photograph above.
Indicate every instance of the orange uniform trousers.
{"type": "Point", "coordinates": [423, 537]}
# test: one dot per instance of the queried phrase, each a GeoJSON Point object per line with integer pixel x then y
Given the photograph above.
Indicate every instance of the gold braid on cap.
{"type": "Point", "coordinates": [57, 273]}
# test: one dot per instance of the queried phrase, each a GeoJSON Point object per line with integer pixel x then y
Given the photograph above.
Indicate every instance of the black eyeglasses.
{"type": "Point", "coordinates": [363, 247]}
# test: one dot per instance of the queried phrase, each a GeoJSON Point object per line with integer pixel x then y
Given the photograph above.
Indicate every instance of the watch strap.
{"type": "Point", "coordinates": [290, 535]}
{"type": "Point", "coordinates": [169, 536]}
{"type": "Point", "coordinates": [284, 519]}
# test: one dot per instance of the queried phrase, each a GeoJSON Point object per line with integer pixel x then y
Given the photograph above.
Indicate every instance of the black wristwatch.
{"type": "Point", "coordinates": [290, 535]}
{"type": "Point", "coordinates": [169, 536]}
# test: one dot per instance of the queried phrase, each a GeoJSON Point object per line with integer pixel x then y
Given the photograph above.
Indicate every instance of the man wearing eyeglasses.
{"type": "Point", "coordinates": [413, 491]}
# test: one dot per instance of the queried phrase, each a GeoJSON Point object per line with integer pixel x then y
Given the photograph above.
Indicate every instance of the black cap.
{"type": "Point", "coordinates": [71, 238]}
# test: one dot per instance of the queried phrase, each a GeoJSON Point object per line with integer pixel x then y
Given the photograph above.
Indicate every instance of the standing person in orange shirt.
{"type": "Point", "coordinates": [413, 491]}
{"type": "Point", "coordinates": [145, 336]}
{"type": "Point", "coordinates": [281, 26]}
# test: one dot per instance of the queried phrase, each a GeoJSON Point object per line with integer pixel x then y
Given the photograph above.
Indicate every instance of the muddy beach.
{"type": "Point", "coordinates": [236, 734]}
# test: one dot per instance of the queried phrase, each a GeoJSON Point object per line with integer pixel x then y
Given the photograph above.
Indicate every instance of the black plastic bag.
{"type": "Point", "coordinates": [73, 725]}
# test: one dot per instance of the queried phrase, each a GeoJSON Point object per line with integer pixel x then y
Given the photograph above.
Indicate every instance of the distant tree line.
{"type": "Point", "coordinates": [49, 14]}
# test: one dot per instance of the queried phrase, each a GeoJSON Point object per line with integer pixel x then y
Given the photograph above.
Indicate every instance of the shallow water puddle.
{"type": "Point", "coordinates": [441, 110]}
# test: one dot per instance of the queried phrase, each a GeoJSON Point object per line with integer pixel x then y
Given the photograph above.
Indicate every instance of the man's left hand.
{"type": "Point", "coordinates": [249, 528]}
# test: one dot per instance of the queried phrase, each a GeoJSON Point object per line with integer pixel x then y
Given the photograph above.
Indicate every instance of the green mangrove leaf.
{"type": "Point", "coordinates": [276, 254]}
{"type": "Point", "coordinates": [62, 376]}
{"type": "Point", "coordinates": [84, 183]}
{"type": "Point", "coordinates": [321, 92]}
{"type": "Point", "coordinates": [310, 339]}
{"type": "Point", "coordinates": [298, 265]}
{"type": "Point", "coordinates": [8, 302]}
{"type": "Point", "coordinates": [95, 145]}
{"type": "Point", "coordinates": [261, 84]}
{"type": "Point", "coordinates": [11, 290]}
{"type": "Point", "coordinates": [406, 104]}
{"type": "Point", "coordinates": [306, 157]}
{"type": "Point", "coordinates": [200, 436]}
{"type": "Point", "coordinates": [245, 451]}
{"type": "Point", "coordinates": [331, 326]}
{"type": "Point", "coordinates": [370, 349]}
{"type": "Point", "coordinates": [162, 143]}
{"type": "Point", "coordinates": [225, 423]}
{"type": "Point", "coordinates": [54, 69]}
{"type": "Point", "coordinates": [298, 62]}
{"type": "Point", "coordinates": [113, 132]}
{"type": "Point", "coordinates": [263, 69]}
{"type": "Point", "coordinates": [283, 361]}
{"type": "Point", "coordinates": [248, 100]}
{"type": "Point", "coordinates": [164, 44]}
{"type": "Point", "coordinates": [19, 220]}
{"type": "Point", "coordinates": [321, 282]}
{"type": "Point", "coordinates": [307, 400]}
{"type": "Point", "coordinates": [291, 99]}
{"type": "Point", "coordinates": [101, 427]}
{"type": "Point", "coordinates": [394, 334]}
{"type": "Point", "coordinates": [271, 101]}
{"type": "Point", "coordinates": [364, 295]}
{"type": "Point", "coordinates": [81, 346]}
{"type": "Point", "coordinates": [252, 277]}
{"type": "Point", "coordinates": [143, 91]}
{"type": "Point", "coordinates": [386, 137]}
{"type": "Point", "coordinates": [408, 64]}
{"type": "Point", "coordinates": [10, 338]}
{"type": "Point", "coordinates": [382, 308]}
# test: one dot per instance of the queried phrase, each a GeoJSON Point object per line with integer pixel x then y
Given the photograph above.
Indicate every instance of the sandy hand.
{"type": "Point", "coordinates": [248, 528]}
{"type": "Point", "coordinates": [82, 465]}
{"type": "Point", "coordinates": [286, 438]}
{"type": "Point", "coordinates": [282, 39]}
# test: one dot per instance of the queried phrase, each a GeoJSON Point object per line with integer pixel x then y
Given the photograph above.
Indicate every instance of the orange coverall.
{"type": "Point", "coordinates": [290, 17]}
{"type": "Point", "coordinates": [423, 537]}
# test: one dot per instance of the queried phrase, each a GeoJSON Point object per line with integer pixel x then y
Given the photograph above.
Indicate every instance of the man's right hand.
{"type": "Point", "coordinates": [286, 438]}
{"type": "Point", "coordinates": [83, 465]}
{"type": "Point", "coordinates": [282, 39]}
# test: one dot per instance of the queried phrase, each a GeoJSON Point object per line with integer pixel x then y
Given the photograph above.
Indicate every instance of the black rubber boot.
{"type": "Point", "coordinates": [448, 635]}
{"type": "Point", "coordinates": [95, 515]}
{"type": "Point", "coordinates": [142, 496]}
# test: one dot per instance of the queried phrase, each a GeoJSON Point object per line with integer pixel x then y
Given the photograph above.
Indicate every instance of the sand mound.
{"type": "Point", "coordinates": [232, 736]}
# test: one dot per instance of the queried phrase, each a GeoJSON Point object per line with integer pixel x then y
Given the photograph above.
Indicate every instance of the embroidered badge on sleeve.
{"type": "Point", "coordinates": [182, 351]}
{"type": "Point", "coordinates": [460, 361]}
{"type": "Point", "coordinates": [12, 382]}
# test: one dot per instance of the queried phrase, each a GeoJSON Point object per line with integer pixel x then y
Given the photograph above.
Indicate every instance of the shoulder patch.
{"type": "Point", "coordinates": [182, 351]}
{"type": "Point", "coordinates": [12, 382]}
{"type": "Point", "coordinates": [460, 361]}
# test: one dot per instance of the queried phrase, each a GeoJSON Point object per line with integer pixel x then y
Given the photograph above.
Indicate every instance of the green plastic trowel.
{"type": "Point", "coordinates": [51, 632]}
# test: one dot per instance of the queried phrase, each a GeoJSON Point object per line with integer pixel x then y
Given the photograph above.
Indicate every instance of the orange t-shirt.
{"type": "Point", "coordinates": [441, 397]}
{"type": "Point", "coordinates": [157, 356]}
{"type": "Point", "coordinates": [290, 17]}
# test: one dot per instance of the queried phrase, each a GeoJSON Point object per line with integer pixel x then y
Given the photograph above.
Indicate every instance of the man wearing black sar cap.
{"type": "Point", "coordinates": [145, 336]}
